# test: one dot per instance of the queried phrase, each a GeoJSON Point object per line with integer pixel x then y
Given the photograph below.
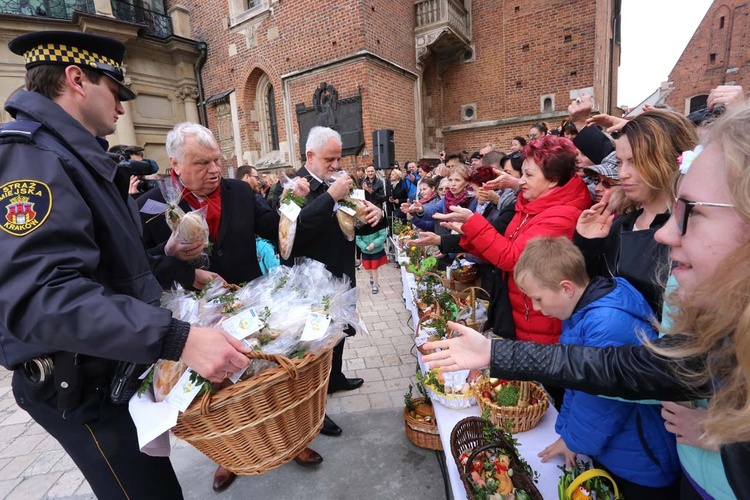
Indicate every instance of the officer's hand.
{"type": "Point", "coordinates": [214, 354]}
{"type": "Point", "coordinates": [184, 251]}
{"type": "Point", "coordinates": [340, 188]}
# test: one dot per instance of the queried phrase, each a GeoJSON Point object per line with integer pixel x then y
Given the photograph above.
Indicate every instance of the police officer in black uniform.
{"type": "Point", "coordinates": [79, 315]}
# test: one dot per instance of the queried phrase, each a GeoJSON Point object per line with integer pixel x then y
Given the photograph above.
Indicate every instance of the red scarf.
{"type": "Point", "coordinates": [428, 199]}
{"type": "Point", "coordinates": [214, 207]}
{"type": "Point", "coordinates": [450, 200]}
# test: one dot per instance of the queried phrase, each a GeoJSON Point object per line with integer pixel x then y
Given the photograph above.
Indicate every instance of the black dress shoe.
{"type": "Point", "coordinates": [308, 457]}
{"type": "Point", "coordinates": [345, 384]}
{"type": "Point", "coordinates": [223, 478]}
{"type": "Point", "coordinates": [330, 428]}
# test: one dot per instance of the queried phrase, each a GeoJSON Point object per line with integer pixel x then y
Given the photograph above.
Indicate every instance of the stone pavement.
{"type": "Point", "coordinates": [34, 466]}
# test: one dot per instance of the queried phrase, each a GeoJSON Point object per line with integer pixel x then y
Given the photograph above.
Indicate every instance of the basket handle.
{"type": "Point", "coordinates": [585, 476]}
{"type": "Point", "coordinates": [282, 361]}
{"type": "Point", "coordinates": [435, 315]}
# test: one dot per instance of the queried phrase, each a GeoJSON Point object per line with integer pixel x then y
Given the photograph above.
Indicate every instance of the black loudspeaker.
{"type": "Point", "coordinates": [384, 151]}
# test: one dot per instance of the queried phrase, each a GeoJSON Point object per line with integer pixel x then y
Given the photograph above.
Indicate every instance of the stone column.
{"type": "Point", "coordinates": [125, 127]}
{"type": "Point", "coordinates": [188, 95]}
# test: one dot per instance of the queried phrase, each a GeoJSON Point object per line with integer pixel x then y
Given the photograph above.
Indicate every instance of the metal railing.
{"type": "Point", "coordinates": [57, 9]}
{"type": "Point", "coordinates": [451, 13]}
{"type": "Point", "coordinates": [157, 24]}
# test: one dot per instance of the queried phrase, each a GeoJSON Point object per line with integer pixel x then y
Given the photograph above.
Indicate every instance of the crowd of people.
{"type": "Point", "coordinates": [614, 252]}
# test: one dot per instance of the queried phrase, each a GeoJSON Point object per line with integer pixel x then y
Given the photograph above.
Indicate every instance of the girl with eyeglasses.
{"type": "Point", "coordinates": [647, 148]}
{"type": "Point", "coordinates": [706, 349]}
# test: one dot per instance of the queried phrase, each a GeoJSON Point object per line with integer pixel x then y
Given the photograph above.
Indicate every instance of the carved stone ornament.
{"type": "Point", "coordinates": [187, 93]}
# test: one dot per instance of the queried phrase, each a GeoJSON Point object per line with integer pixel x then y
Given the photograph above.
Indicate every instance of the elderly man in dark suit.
{"type": "Point", "coordinates": [234, 217]}
{"type": "Point", "coordinates": [321, 238]}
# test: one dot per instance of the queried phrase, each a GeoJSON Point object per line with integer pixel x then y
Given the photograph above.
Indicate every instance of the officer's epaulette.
{"type": "Point", "coordinates": [20, 129]}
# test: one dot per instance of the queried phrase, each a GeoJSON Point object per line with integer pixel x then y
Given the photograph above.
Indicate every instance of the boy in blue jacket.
{"type": "Point", "coordinates": [627, 439]}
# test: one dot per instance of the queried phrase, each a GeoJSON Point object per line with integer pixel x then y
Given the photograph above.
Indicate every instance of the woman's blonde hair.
{"type": "Point", "coordinates": [712, 344]}
{"type": "Point", "coordinates": [461, 170]}
{"type": "Point", "coordinates": [658, 138]}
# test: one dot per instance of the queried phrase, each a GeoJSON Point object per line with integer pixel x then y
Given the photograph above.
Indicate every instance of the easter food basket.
{"type": "Point", "coordinates": [261, 423]}
{"type": "Point", "coordinates": [421, 426]}
{"type": "Point", "coordinates": [468, 438]}
{"type": "Point", "coordinates": [532, 403]}
{"type": "Point", "coordinates": [464, 274]}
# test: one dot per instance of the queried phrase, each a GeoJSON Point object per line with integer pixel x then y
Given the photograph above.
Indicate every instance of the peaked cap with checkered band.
{"type": "Point", "coordinates": [67, 48]}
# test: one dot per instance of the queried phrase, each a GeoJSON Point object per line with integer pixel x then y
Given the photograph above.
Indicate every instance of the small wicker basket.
{"type": "Point", "coordinates": [422, 433]}
{"type": "Point", "coordinates": [462, 275]}
{"type": "Point", "coordinates": [524, 417]}
{"type": "Point", "coordinates": [471, 293]}
{"type": "Point", "coordinates": [261, 423]}
{"type": "Point", "coordinates": [424, 318]}
{"type": "Point", "coordinates": [468, 437]}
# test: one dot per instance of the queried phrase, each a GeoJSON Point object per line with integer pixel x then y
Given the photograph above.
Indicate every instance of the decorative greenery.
{"type": "Point", "coordinates": [430, 379]}
{"type": "Point", "coordinates": [597, 485]}
{"type": "Point", "coordinates": [408, 399]}
{"type": "Point", "coordinates": [508, 395]}
{"type": "Point", "coordinates": [348, 204]}
{"type": "Point", "coordinates": [399, 226]}
{"type": "Point", "coordinates": [206, 386]}
{"type": "Point", "coordinates": [289, 197]}
{"type": "Point", "coordinates": [491, 431]}
{"type": "Point", "coordinates": [148, 381]}
{"type": "Point", "coordinates": [425, 266]}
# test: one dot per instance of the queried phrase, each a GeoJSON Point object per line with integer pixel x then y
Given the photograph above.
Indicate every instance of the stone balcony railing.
{"type": "Point", "coordinates": [442, 25]}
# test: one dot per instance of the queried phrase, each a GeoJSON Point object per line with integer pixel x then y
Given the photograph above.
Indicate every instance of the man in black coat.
{"type": "Point", "coordinates": [235, 216]}
{"type": "Point", "coordinates": [323, 150]}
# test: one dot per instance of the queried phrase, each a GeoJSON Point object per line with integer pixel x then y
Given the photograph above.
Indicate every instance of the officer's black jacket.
{"type": "Point", "coordinates": [631, 372]}
{"type": "Point", "coordinates": [80, 281]}
{"type": "Point", "coordinates": [233, 256]}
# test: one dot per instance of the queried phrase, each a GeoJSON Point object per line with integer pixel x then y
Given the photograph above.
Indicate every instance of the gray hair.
{"type": "Point", "coordinates": [176, 138]}
{"type": "Point", "coordinates": [319, 137]}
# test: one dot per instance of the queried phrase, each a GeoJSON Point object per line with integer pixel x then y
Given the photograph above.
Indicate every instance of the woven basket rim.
{"type": "Point", "coordinates": [542, 399]}
{"type": "Point", "coordinates": [260, 382]}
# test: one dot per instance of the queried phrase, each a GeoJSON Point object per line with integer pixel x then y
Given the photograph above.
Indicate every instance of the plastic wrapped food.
{"type": "Point", "coordinates": [289, 209]}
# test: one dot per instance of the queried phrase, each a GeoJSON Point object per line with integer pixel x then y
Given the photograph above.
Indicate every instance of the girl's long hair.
{"type": "Point", "coordinates": [711, 327]}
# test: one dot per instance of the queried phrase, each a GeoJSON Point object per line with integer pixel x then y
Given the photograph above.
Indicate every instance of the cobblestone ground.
{"type": "Point", "coordinates": [34, 466]}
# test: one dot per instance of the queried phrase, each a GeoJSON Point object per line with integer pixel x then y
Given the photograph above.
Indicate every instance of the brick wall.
{"type": "Point", "coordinates": [520, 54]}
{"type": "Point", "coordinates": [695, 73]}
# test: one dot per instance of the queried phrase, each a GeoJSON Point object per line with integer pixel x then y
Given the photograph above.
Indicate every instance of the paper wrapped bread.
{"type": "Point", "coordinates": [346, 223]}
{"type": "Point", "coordinates": [287, 231]}
{"type": "Point", "coordinates": [166, 375]}
{"type": "Point", "coordinates": [193, 228]}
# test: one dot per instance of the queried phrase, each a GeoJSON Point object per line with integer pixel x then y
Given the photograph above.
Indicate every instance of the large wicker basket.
{"type": "Point", "coordinates": [421, 433]}
{"type": "Point", "coordinates": [468, 437]}
{"type": "Point", "coordinates": [522, 418]}
{"type": "Point", "coordinates": [261, 423]}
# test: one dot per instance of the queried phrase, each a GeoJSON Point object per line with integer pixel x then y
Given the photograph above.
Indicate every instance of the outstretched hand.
{"type": "Point", "coordinates": [426, 239]}
{"type": "Point", "coordinates": [596, 222]}
{"type": "Point", "coordinates": [609, 122]}
{"type": "Point", "coordinates": [471, 350]}
{"type": "Point", "coordinates": [558, 448]}
{"type": "Point", "coordinates": [457, 214]}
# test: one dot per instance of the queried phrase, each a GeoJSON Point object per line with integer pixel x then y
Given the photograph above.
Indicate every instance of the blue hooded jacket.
{"type": "Point", "coordinates": [613, 313]}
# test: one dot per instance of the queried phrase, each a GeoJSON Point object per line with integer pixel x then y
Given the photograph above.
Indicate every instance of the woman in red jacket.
{"type": "Point", "coordinates": [551, 199]}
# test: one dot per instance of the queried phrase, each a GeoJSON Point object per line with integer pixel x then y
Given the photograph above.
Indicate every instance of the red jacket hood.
{"type": "Point", "coordinates": [574, 193]}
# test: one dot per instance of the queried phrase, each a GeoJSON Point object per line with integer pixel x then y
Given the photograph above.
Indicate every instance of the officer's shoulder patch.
{"type": "Point", "coordinates": [20, 128]}
{"type": "Point", "coordinates": [27, 205]}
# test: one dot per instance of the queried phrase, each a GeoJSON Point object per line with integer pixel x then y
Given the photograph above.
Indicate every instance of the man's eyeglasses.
{"type": "Point", "coordinates": [606, 183]}
{"type": "Point", "coordinates": [682, 208]}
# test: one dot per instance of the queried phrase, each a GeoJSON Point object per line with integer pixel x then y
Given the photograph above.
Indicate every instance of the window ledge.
{"type": "Point", "coordinates": [250, 15]}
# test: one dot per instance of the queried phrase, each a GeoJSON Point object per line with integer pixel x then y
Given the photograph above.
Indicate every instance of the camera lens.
{"type": "Point", "coordinates": [146, 185]}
